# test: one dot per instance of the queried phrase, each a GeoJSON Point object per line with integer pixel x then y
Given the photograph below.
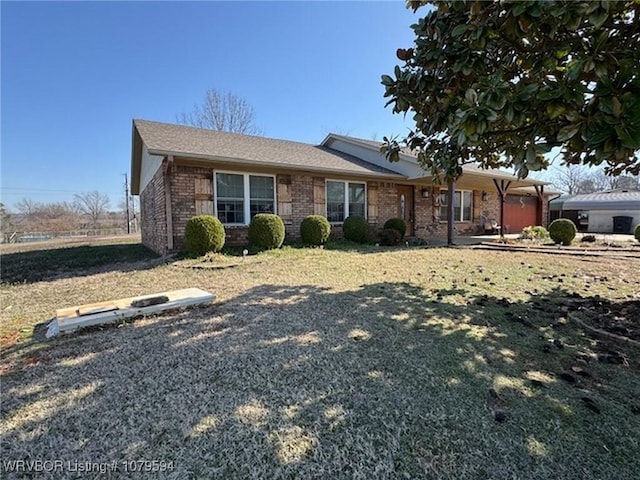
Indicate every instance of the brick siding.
{"type": "Point", "coordinates": [297, 196]}
{"type": "Point", "coordinates": [153, 215]}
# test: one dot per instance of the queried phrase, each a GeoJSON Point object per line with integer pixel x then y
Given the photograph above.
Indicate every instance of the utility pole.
{"type": "Point", "coordinates": [126, 202]}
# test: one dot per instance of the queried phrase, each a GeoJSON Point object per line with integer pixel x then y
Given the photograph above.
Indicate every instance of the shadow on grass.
{"type": "Point", "coordinates": [37, 265]}
{"type": "Point", "coordinates": [384, 381]}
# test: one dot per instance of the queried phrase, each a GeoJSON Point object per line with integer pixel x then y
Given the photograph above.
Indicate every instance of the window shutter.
{"type": "Point", "coordinates": [319, 203]}
{"type": "Point", "coordinates": [372, 200]}
{"type": "Point", "coordinates": [283, 195]}
{"type": "Point", "coordinates": [204, 196]}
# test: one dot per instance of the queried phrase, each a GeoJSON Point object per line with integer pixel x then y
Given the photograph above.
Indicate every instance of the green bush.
{"type": "Point", "coordinates": [202, 234]}
{"type": "Point", "coordinates": [636, 232]}
{"type": "Point", "coordinates": [534, 233]}
{"type": "Point", "coordinates": [315, 230]}
{"type": "Point", "coordinates": [356, 229]}
{"type": "Point", "coordinates": [266, 230]}
{"type": "Point", "coordinates": [562, 231]}
{"type": "Point", "coordinates": [390, 237]}
{"type": "Point", "coordinates": [397, 224]}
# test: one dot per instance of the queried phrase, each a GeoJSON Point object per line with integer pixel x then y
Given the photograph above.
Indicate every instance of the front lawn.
{"type": "Point", "coordinates": [321, 363]}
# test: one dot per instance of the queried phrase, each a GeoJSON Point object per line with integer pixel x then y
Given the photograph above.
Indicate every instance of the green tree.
{"type": "Point", "coordinates": [502, 83]}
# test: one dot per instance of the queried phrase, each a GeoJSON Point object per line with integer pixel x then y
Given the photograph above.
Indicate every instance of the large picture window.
{"type": "Point", "coordinates": [345, 199]}
{"type": "Point", "coordinates": [462, 206]}
{"type": "Point", "coordinates": [240, 196]}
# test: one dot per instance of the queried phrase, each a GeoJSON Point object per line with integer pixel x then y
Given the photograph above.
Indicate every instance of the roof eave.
{"type": "Point", "coordinates": [260, 163]}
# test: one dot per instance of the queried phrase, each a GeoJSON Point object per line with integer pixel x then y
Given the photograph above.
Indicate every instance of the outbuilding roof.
{"type": "Point", "coordinates": [610, 200]}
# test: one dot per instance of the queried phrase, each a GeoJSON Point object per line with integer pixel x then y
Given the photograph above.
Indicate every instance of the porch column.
{"type": "Point", "coordinates": [450, 210]}
{"type": "Point", "coordinates": [540, 193]}
{"type": "Point", "coordinates": [502, 188]}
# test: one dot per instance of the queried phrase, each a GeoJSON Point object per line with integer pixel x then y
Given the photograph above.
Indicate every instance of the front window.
{"type": "Point", "coordinates": [462, 205]}
{"type": "Point", "coordinates": [240, 196]}
{"type": "Point", "coordinates": [345, 199]}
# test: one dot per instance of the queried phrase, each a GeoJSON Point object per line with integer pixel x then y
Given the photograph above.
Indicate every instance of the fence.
{"type": "Point", "coordinates": [25, 237]}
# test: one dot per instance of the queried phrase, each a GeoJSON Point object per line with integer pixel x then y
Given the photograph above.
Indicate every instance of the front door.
{"type": "Point", "coordinates": [405, 207]}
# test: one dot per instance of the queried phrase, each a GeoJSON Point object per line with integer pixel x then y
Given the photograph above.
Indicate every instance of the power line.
{"type": "Point", "coordinates": [20, 189]}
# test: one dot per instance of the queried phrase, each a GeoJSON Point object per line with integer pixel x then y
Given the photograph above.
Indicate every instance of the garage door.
{"type": "Point", "coordinates": [519, 212]}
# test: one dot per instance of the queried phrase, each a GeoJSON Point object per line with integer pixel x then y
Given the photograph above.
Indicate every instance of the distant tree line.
{"type": "Point", "coordinates": [87, 211]}
{"type": "Point", "coordinates": [578, 179]}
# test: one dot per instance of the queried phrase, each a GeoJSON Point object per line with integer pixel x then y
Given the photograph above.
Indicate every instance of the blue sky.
{"type": "Point", "coordinates": [75, 74]}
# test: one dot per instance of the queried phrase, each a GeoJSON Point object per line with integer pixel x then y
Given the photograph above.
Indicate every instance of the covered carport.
{"type": "Point", "coordinates": [521, 201]}
{"type": "Point", "coordinates": [614, 211]}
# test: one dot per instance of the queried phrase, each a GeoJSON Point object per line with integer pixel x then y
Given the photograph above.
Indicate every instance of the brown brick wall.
{"type": "Point", "coordinates": [153, 215]}
{"type": "Point", "coordinates": [183, 197]}
{"type": "Point", "coordinates": [297, 196]}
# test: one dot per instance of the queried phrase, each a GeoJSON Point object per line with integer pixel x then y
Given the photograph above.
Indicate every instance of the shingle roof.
{"type": "Point", "coordinates": [611, 200]}
{"type": "Point", "coordinates": [469, 169]}
{"type": "Point", "coordinates": [180, 140]}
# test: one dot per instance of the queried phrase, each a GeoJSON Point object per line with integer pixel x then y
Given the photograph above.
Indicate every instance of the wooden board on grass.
{"type": "Point", "coordinates": [72, 318]}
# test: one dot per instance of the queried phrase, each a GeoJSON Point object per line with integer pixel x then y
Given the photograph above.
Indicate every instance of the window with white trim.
{"type": "Point", "coordinates": [462, 207]}
{"type": "Point", "coordinates": [345, 199]}
{"type": "Point", "coordinates": [240, 196]}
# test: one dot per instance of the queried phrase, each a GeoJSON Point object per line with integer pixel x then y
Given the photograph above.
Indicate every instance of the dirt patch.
{"type": "Point", "coordinates": [616, 318]}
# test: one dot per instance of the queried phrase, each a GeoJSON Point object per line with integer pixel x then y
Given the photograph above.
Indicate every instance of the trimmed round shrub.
{"type": "Point", "coordinates": [202, 234]}
{"type": "Point", "coordinates": [636, 232]}
{"type": "Point", "coordinates": [397, 224]}
{"type": "Point", "coordinates": [315, 230]}
{"type": "Point", "coordinates": [356, 229]}
{"type": "Point", "coordinates": [390, 237]}
{"type": "Point", "coordinates": [562, 231]}
{"type": "Point", "coordinates": [266, 230]}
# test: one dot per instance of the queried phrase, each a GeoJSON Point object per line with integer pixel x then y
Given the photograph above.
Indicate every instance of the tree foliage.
{"type": "Point", "coordinates": [223, 112]}
{"type": "Point", "coordinates": [502, 83]}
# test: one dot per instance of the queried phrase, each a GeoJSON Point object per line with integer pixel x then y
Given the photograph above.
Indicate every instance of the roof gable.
{"type": "Point", "coordinates": [235, 148]}
{"type": "Point", "coordinates": [408, 163]}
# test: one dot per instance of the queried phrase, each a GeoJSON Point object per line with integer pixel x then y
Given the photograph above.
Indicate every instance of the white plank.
{"type": "Point", "coordinates": [68, 320]}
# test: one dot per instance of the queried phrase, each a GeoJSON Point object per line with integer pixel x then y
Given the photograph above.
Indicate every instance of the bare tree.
{"type": "Point", "coordinates": [92, 204]}
{"type": "Point", "coordinates": [569, 178]}
{"type": "Point", "coordinates": [5, 219]}
{"type": "Point", "coordinates": [27, 207]}
{"type": "Point", "coordinates": [223, 112]}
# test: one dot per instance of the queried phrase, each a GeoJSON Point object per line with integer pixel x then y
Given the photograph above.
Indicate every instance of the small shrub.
{"type": "Point", "coordinates": [356, 229]}
{"type": "Point", "coordinates": [636, 232]}
{"type": "Point", "coordinates": [266, 230]}
{"type": "Point", "coordinates": [588, 238]}
{"type": "Point", "coordinates": [396, 224]}
{"type": "Point", "coordinates": [562, 231]}
{"type": "Point", "coordinates": [315, 230]}
{"type": "Point", "coordinates": [202, 234]}
{"type": "Point", "coordinates": [390, 237]}
{"type": "Point", "coordinates": [534, 233]}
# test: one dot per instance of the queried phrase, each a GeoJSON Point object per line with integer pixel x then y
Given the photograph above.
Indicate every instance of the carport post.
{"type": "Point", "coordinates": [502, 188]}
{"type": "Point", "coordinates": [540, 193]}
{"type": "Point", "coordinates": [450, 210]}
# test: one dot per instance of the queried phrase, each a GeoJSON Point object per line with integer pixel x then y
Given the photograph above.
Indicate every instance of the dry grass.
{"type": "Point", "coordinates": [382, 363]}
